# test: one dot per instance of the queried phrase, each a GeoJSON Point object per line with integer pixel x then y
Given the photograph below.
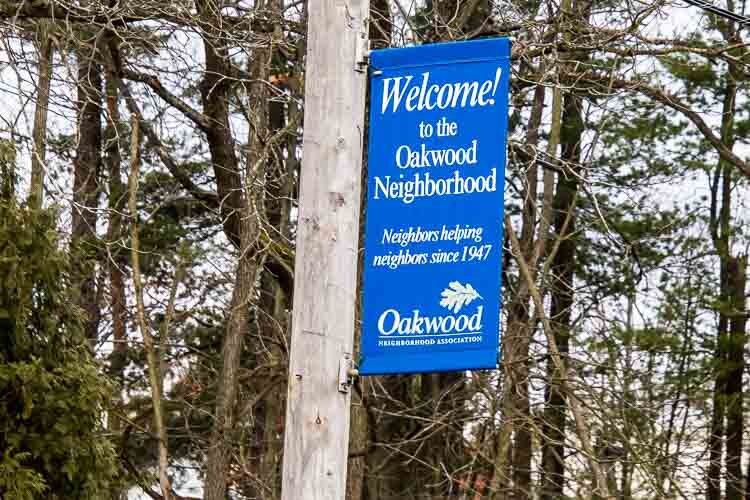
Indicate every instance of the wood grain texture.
{"type": "Point", "coordinates": [325, 286]}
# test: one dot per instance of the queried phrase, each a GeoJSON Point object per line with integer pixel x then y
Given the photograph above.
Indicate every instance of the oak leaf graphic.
{"type": "Point", "coordinates": [457, 295]}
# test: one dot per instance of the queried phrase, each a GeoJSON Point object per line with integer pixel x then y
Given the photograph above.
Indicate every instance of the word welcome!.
{"type": "Point", "coordinates": [425, 96]}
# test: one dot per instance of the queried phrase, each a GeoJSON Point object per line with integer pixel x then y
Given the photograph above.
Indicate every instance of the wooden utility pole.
{"type": "Point", "coordinates": [325, 284]}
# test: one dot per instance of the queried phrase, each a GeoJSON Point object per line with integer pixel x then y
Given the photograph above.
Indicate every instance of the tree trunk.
{"type": "Point", "coordinates": [734, 291]}
{"type": "Point", "coordinates": [520, 329]}
{"type": "Point", "coordinates": [215, 89]}
{"type": "Point", "coordinates": [730, 339]}
{"type": "Point", "coordinates": [236, 328]}
{"type": "Point", "coordinates": [600, 485]}
{"type": "Point", "coordinates": [116, 259]}
{"type": "Point", "coordinates": [518, 319]}
{"type": "Point", "coordinates": [7, 170]}
{"type": "Point", "coordinates": [36, 189]}
{"type": "Point", "coordinates": [240, 227]}
{"type": "Point", "coordinates": [716, 436]}
{"type": "Point", "coordinates": [562, 297]}
{"type": "Point", "coordinates": [86, 182]}
{"type": "Point", "coordinates": [735, 367]}
{"type": "Point", "coordinates": [274, 301]}
{"type": "Point", "coordinates": [154, 365]}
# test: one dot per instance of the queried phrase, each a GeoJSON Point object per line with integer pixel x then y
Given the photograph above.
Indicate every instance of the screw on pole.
{"type": "Point", "coordinates": [347, 373]}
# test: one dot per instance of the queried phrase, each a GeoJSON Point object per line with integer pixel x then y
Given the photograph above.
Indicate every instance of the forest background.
{"type": "Point", "coordinates": [149, 166]}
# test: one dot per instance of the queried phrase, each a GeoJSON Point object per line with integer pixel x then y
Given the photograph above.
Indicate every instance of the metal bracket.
{"type": "Point", "coordinates": [347, 372]}
{"type": "Point", "coordinates": [362, 49]}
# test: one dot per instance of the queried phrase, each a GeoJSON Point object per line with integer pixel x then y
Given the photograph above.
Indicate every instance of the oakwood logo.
{"type": "Point", "coordinates": [457, 295]}
{"type": "Point", "coordinates": [454, 298]}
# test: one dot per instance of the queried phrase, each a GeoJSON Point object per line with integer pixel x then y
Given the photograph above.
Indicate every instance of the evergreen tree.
{"type": "Point", "coordinates": [52, 390]}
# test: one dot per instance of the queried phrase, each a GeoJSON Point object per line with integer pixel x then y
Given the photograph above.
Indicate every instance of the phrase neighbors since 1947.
{"type": "Point", "coordinates": [400, 246]}
{"type": "Point", "coordinates": [463, 243]}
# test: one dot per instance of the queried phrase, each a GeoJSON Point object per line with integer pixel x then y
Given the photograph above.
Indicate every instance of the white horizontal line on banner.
{"type": "Point", "coordinates": [434, 335]}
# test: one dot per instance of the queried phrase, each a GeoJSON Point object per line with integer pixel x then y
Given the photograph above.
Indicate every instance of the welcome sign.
{"type": "Point", "coordinates": [434, 214]}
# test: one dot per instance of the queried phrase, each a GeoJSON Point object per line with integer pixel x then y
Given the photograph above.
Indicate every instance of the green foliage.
{"type": "Point", "coordinates": [695, 73]}
{"type": "Point", "coordinates": [7, 168]}
{"type": "Point", "coordinates": [18, 482]}
{"type": "Point", "coordinates": [52, 392]}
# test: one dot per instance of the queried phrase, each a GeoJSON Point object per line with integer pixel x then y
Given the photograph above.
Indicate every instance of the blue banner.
{"type": "Point", "coordinates": [434, 213]}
